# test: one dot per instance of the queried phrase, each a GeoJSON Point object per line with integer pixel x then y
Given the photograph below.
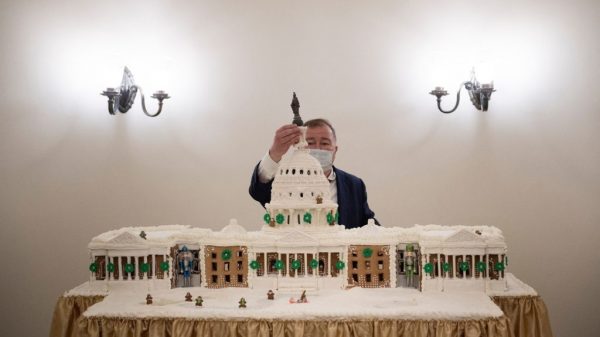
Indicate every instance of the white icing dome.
{"type": "Point", "coordinates": [300, 180]}
{"type": "Point", "coordinates": [233, 228]}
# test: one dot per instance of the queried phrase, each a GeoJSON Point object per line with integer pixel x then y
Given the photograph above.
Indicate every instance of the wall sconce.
{"type": "Point", "coordinates": [122, 98]}
{"type": "Point", "coordinates": [479, 93]}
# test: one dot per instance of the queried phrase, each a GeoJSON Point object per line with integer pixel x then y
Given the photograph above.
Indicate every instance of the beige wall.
{"type": "Point", "coordinates": [69, 171]}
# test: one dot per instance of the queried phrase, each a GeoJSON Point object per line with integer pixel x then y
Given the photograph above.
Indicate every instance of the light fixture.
{"type": "Point", "coordinates": [122, 98]}
{"type": "Point", "coordinates": [479, 93]}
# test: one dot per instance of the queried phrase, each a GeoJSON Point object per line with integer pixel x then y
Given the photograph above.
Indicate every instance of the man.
{"type": "Point", "coordinates": [347, 190]}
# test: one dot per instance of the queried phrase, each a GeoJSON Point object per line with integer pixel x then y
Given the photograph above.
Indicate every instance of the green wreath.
{"type": "Point", "coordinates": [278, 265]}
{"type": "Point", "coordinates": [129, 268]}
{"type": "Point", "coordinates": [226, 254]}
{"type": "Point", "coordinates": [481, 266]}
{"type": "Point", "coordinates": [254, 264]}
{"type": "Point", "coordinates": [428, 268]}
{"type": "Point", "coordinates": [267, 218]}
{"type": "Point", "coordinates": [145, 267]}
{"type": "Point", "coordinates": [296, 264]}
{"type": "Point", "coordinates": [464, 266]}
{"type": "Point", "coordinates": [446, 266]}
{"type": "Point", "coordinates": [93, 267]}
{"type": "Point", "coordinates": [499, 266]}
{"type": "Point", "coordinates": [307, 217]}
{"type": "Point", "coordinates": [164, 266]}
{"type": "Point", "coordinates": [314, 263]}
{"type": "Point", "coordinates": [280, 218]}
{"type": "Point", "coordinates": [340, 265]}
{"type": "Point", "coordinates": [110, 267]}
{"type": "Point", "coordinates": [367, 252]}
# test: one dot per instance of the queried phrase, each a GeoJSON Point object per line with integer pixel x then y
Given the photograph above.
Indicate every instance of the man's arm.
{"type": "Point", "coordinates": [260, 191]}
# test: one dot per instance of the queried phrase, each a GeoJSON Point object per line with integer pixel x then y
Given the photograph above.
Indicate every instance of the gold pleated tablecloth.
{"type": "Point", "coordinates": [523, 316]}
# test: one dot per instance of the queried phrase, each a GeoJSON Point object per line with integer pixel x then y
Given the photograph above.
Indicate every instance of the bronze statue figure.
{"type": "Point", "coordinates": [296, 110]}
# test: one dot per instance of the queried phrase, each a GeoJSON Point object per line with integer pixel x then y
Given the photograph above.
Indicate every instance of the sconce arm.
{"type": "Point", "coordinates": [160, 104]}
{"type": "Point", "coordinates": [467, 85]}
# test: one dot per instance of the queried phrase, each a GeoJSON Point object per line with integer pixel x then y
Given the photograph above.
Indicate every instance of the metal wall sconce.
{"type": "Point", "coordinates": [122, 98]}
{"type": "Point", "coordinates": [479, 93]}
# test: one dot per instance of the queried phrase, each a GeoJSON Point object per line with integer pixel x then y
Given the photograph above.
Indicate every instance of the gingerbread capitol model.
{"type": "Point", "coordinates": [446, 273]}
{"type": "Point", "coordinates": [301, 247]}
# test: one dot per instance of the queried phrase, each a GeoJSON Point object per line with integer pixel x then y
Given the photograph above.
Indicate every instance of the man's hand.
{"type": "Point", "coordinates": [285, 137]}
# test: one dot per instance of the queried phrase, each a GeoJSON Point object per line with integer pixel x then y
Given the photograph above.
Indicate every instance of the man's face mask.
{"type": "Point", "coordinates": [324, 157]}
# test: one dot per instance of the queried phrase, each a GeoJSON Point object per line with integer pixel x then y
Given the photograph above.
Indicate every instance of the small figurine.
{"type": "Point", "coordinates": [143, 235]}
{"type": "Point", "coordinates": [272, 222]}
{"type": "Point", "coordinates": [186, 260]}
{"type": "Point", "coordinates": [242, 302]}
{"type": "Point", "coordinates": [188, 297]}
{"type": "Point", "coordinates": [319, 199]}
{"type": "Point", "coordinates": [409, 260]}
{"type": "Point", "coordinates": [199, 301]}
{"type": "Point", "coordinates": [149, 299]}
{"type": "Point", "coordinates": [270, 295]}
{"type": "Point", "coordinates": [296, 110]}
{"type": "Point", "coordinates": [303, 298]}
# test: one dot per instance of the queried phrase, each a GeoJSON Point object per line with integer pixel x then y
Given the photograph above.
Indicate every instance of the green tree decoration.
{"type": "Point", "coordinates": [226, 254]}
{"type": "Point", "coordinates": [129, 268]}
{"type": "Point", "coordinates": [367, 252]}
{"type": "Point", "coordinates": [164, 266]}
{"type": "Point", "coordinates": [296, 264]}
{"type": "Point", "coordinates": [93, 267]}
{"type": "Point", "coordinates": [254, 264]}
{"type": "Point", "coordinates": [499, 266]}
{"type": "Point", "coordinates": [267, 218]}
{"type": "Point", "coordinates": [428, 268]}
{"type": "Point", "coordinates": [337, 215]}
{"type": "Point", "coordinates": [464, 266]}
{"type": "Point", "coordinates": [307, 217]}
{"type": "Point", "coordinates": [340, 265]}
{"type": "Point", "coordinates": [278, 265]}
{"type": "Point", "coordinates": [446, 267]}
{"type": "Point", "coordinates": [481, 266]}
{"type": "Point", "coordinates": [314, 263]}
{"type": "Point", "coordinates": [330, 218]}
{"type": "Point", "coordinates": [110, 267]}
{"type": "Point", "coordinates": [145, 267]}
{"type": "Point", "coordinates": [280, 218]}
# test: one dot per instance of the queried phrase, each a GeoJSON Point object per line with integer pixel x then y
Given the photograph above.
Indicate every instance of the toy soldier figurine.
{"type": "Point", "coordinates": [188, 297]}
{"type": "Point", "coordinates": [271, 295]}
{"type": "Point", "coordinates": [296, 110]}
{"type": "Point", "coordinates": [242, 302]}
{"type": "Point", "coordinates": [199, 301]}
{"type": "Point", "coordinates": [186, 260]}
{"type": "Point", "coordinates": [148, 299]}
{"type": "Point", "coordinates": [409, 261]}
{"type": "Point", "coordinates": [143, 235]}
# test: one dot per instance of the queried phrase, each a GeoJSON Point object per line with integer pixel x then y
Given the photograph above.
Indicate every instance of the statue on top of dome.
{"type": "Point", "coordinates": [296, 110]}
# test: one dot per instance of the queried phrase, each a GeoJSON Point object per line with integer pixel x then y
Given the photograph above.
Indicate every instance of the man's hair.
{"type": "Point", "coordinates": [320, 122]}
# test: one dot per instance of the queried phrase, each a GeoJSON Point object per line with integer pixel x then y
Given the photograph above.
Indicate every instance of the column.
{"type": "Point", "coordinates": [153, 266]}
{"type": "Point", "coordinates": [109, 275]}
{"type": "Point", "coordinates": [425, 260]}
{"type": "Point", "coordinates": [439, 265]}
{"type": "Point", "coordinates": [464, 273]}
{"type": "Point", "coordinates": [120, 266]}
{"type": "Point", "coordinates": [145, 275]}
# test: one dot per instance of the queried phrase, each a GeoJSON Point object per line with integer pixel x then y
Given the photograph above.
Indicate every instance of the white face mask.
{"type": "Point", "coordinates": [324, 157]}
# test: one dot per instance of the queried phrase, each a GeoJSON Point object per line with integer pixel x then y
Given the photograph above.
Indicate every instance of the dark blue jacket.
{"type": "Point", "coordinates": [353, 208]}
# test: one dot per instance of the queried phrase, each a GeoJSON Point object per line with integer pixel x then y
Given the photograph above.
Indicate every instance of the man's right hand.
{"type": "Point", "coordinates": [285, 137]}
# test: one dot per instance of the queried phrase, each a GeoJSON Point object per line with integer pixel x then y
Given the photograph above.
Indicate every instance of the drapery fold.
{"type": "Point", "coordinates": [528, 315]}
{"type": "Point", "coordinates": [523, 316]}
{"type": "Point", "coordinates": [121, 327]}
{"type": "Point", "coordinates": [67, 311]}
